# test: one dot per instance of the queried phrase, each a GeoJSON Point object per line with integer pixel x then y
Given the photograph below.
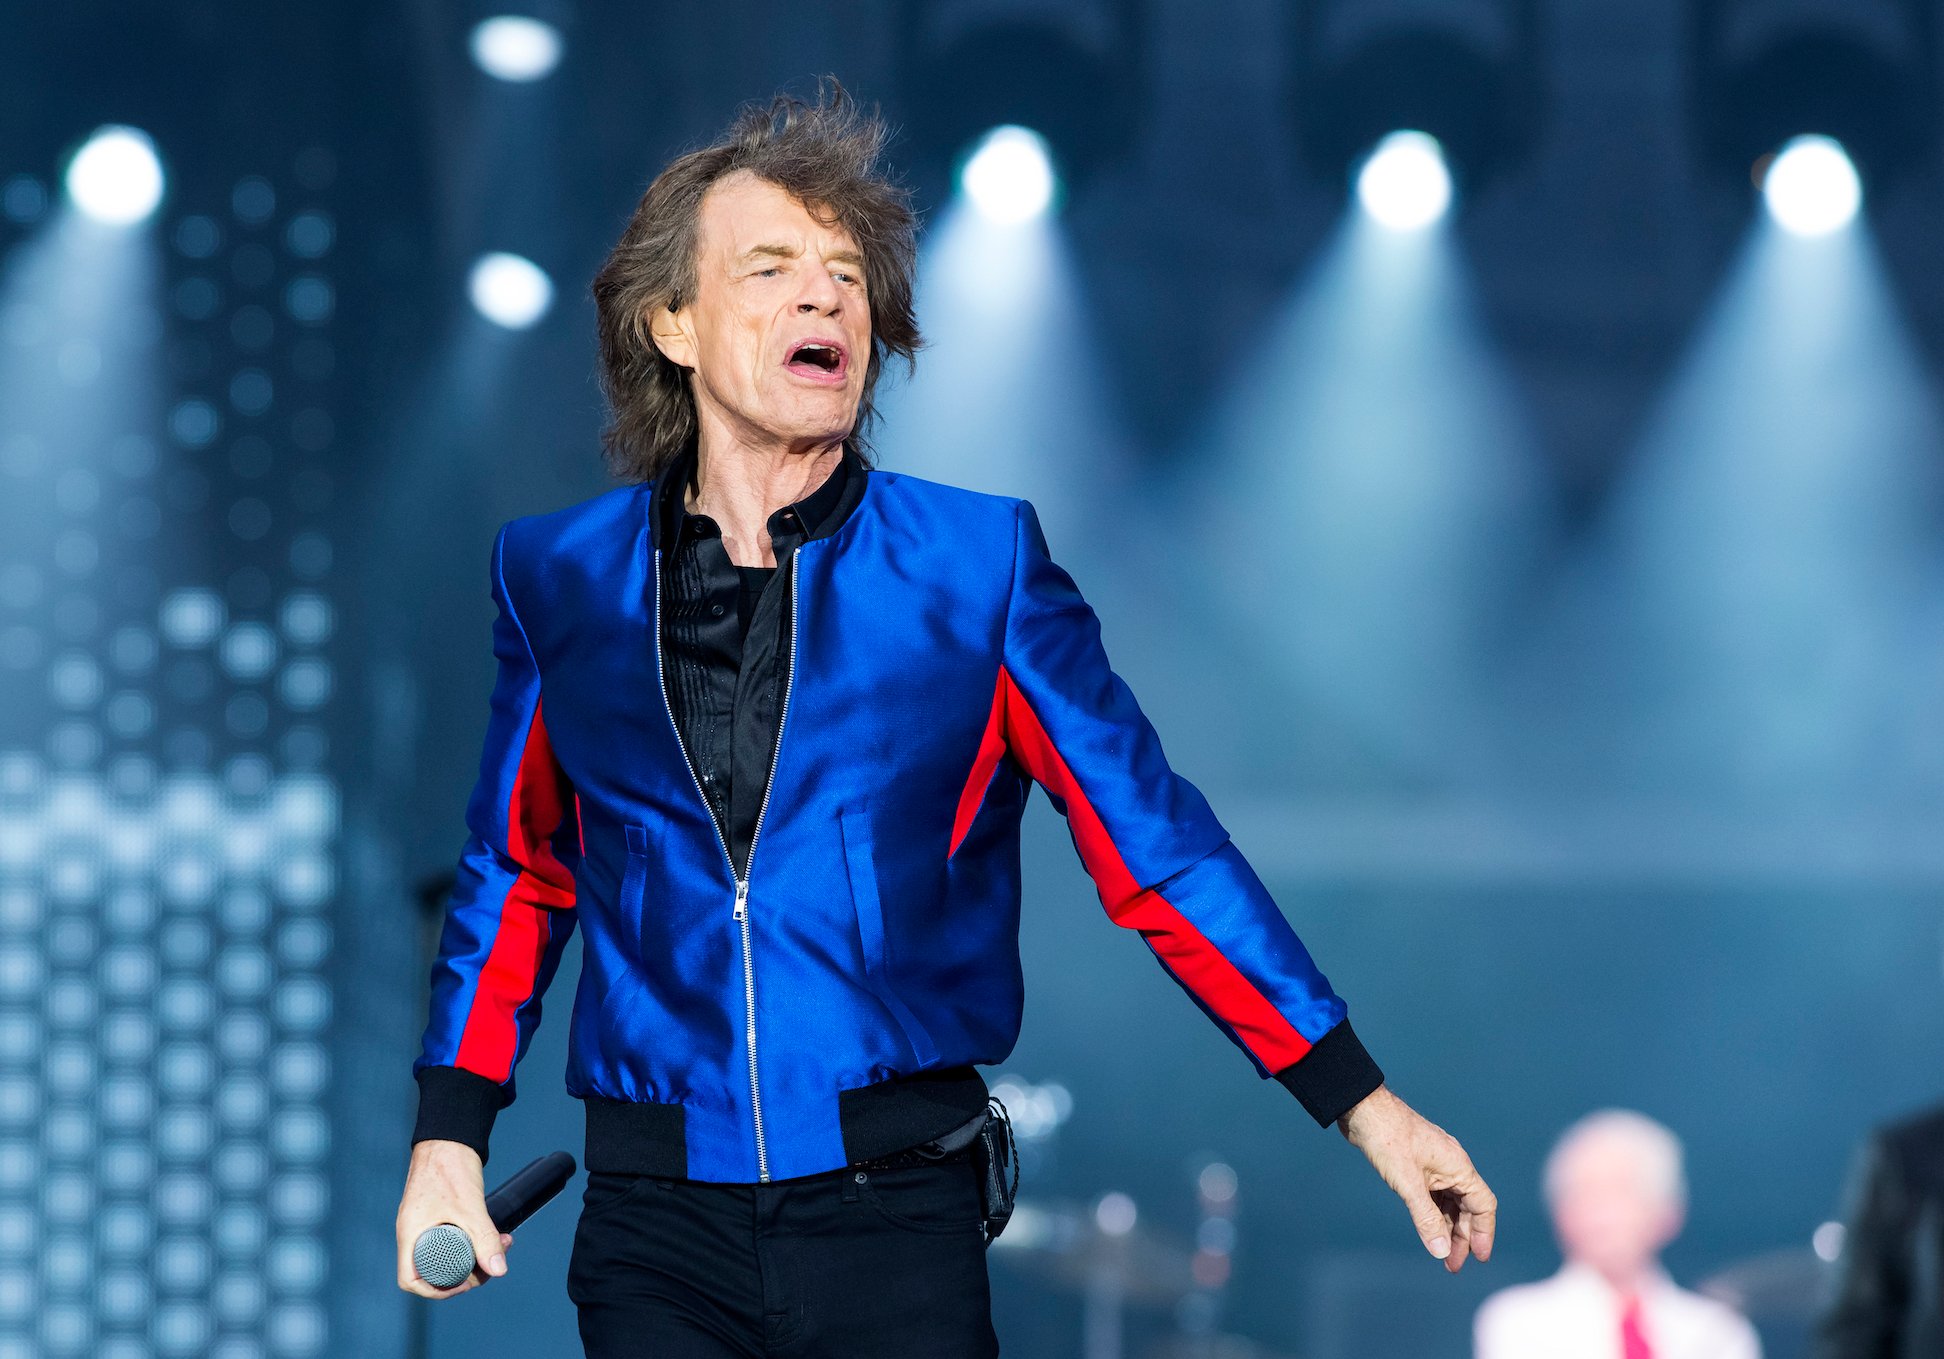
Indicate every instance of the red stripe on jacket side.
{"type": "Point", "coordinates": [535, 809]}
{"type": "Point", "coordinates": [992, 746]}
{"type": "Point", "coordinates": [1200, 965]}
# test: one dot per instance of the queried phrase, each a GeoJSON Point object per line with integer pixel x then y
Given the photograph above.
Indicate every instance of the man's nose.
{"type": "Point", "coordinates": [820, 293]}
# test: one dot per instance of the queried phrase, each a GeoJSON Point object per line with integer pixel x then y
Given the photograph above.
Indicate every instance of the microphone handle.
{"type": "Point", "coordinates": [528, 1189]}
{"type": "Point", "coordinates": [443, 1255]}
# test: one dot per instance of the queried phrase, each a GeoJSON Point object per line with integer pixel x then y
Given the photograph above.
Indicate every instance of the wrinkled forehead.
{"type": "Point", "coordinates": [742, 212]}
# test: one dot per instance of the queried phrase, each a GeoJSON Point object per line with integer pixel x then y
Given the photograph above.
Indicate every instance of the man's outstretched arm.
{"type": "Point", "coordinates": [1165, 867]}
{"type": "Point", "coordinates": [506, 927]}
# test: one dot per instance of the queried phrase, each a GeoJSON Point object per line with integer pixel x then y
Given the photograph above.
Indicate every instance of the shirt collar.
{"type": "Point", "coordinates": [815, 515]}
{"type": "Point", "coordinates": [1584, 1277]}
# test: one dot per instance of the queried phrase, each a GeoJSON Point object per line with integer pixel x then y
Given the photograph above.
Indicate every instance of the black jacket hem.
{"type": "Point", "coordinates": [640, 1137]}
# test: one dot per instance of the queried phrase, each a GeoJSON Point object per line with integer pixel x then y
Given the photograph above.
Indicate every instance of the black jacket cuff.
{"type": "Point", "coordinates": [456, 1105]}
{"type": "Point", "coordinates": [1333, 1077]}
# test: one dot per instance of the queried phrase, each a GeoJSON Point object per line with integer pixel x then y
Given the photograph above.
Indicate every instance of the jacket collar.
{"type": "Point", "coordinates": [820, 513]}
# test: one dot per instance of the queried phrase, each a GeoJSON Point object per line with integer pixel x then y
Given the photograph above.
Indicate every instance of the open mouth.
{"type": "Point", "coordinates": [822, 360]}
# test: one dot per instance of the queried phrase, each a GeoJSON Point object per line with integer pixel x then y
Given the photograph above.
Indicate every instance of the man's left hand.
{"type": "Point", "coordinates": [1453, 1209]}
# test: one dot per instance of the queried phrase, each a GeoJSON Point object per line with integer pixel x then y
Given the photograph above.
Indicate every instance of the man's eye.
{"type": "Point", "coordinates": [771, 270]}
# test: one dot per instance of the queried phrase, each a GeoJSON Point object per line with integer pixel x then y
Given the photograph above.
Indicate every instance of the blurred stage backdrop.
{"type": "Point", "coordinates": [1500, 437]}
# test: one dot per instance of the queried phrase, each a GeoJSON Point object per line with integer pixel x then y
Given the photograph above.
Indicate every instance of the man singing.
{"type": "Point", "coordinates": [765, 723]}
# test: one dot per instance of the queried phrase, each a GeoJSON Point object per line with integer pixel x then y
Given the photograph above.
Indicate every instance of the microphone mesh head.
{"type": "Point", "coordinates": [443, 1256]}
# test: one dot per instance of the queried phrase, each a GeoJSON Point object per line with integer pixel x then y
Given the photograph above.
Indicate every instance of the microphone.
{"type": "Point", "coordinates": [443, 1255]}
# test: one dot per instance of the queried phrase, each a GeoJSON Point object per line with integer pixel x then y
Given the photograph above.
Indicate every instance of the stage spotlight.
{"type": "Point", "coordinates": [1812, 188]}
{"type": "Point", "coordinates": [115, 177]}
{"type": "Point", "coordinates": [1009, 175]}
{"type": "Point", "coordinates": [1858, 72]}
{"type": "Point", "coordinates": [1073, 73]}
{"type": "Point", "coordinates": [513, 47]}
{"type": "Point", "coordinates": [1465, 72]}
{"type": "Point", "coordinates": [510, 290]}
{"type": "Point", "coordinates": [1405, 184]}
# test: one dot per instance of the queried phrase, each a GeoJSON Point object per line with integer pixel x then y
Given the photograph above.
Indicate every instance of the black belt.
{"type": "Point", "coordinates": [958, 1144]}
{"type": "Point", "coordinates": [914, 1156]}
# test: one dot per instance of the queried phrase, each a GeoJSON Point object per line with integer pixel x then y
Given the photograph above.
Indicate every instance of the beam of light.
{"type": "Point", "coordinates": [1404, 183]}
{"type": "Point", "coordinates": [1770, 558]}
{"type": "Point", "coordinates": [509, 290]}
{"type": "Point", "coordinates": [1009, 176]}
{"type": "Point", "coordinates": [79, 330]}
{"type": "Point", "coordinates": [515, 48]}
{"type": "Point", "coordinates": [1007, 372]}
{"type": "Point", "coordinates": [1812, 188]}
{"type": "Point", "coordinates": [1369, 485]}
{"type": "Point", "coordinates": [116, 176]}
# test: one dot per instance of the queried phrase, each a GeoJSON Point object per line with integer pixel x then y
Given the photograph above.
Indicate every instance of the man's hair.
{"type": "Point", "coordinates": [825, 153]}
{"type": "Point", "coordinates": [1655, 1149]}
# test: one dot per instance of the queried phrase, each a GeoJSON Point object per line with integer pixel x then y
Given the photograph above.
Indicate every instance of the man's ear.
{"type": "Point", "coordinates": [671, 334]}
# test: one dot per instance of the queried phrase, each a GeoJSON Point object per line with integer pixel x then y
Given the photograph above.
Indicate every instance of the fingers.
{"type": "Point", "coordinates": [1462, 1245]}
{"type": "Point", "coordinates": [1432, 1227]}
{"type": "Point", "coordinates": [1468, 1200]}
{"type": "Point", "coordinates": [489, 1251]}
{"type": "Point", "coordinates": [1481, 1204]}
{"type": "Point", "coordinates": [1472, 1208]}
{"type": "Point", "coordinates": [1466, 1209]}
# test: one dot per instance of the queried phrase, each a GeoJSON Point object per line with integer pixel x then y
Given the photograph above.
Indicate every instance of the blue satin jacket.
{"type": "Point", "coordinates": [940, 663]}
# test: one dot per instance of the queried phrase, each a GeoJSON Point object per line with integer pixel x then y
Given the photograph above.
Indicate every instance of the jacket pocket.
{"type": "Point", "coordinates": [860, 863]}
{"type": "Point", "coordinates": [634, 875]}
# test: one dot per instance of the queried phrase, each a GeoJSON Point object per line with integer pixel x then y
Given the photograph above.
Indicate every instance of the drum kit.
{"type": "Point", "coordinates": [1116, 1264]}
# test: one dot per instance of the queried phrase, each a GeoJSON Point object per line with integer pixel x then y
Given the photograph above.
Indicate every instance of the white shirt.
{"type": "Point", "coordinates": [1576, 1315]}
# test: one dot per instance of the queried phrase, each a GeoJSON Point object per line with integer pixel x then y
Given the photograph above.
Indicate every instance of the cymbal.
{"type": "Point", "coordinates": [1782, 1285]}
{"type": "Point", "coordinates": [1062, 1242]}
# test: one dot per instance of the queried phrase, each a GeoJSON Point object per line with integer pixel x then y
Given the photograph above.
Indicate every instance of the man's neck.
{"type": "Point", "coordinates": [739, 485]}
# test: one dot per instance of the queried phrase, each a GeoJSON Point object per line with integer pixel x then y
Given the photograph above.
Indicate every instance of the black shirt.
{"type": "Point", "coordinates": [726, 639]}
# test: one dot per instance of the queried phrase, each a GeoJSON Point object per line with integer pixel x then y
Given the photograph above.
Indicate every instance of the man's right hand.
{"type": "Point", "coordinates": [446, 1183]}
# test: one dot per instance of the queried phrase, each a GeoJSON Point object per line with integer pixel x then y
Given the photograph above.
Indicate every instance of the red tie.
{"type": "Point", "coordinates": [1633, 1340]}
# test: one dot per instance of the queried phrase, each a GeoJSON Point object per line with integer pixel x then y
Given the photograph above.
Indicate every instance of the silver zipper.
{"type": "Point", "coordinates": [740, 911]}
{"type": "Point", "coordinates": [742, 888]}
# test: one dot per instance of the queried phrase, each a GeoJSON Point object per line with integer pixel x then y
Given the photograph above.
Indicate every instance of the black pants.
{"type": "Point", "coordinates": [849, 1264]}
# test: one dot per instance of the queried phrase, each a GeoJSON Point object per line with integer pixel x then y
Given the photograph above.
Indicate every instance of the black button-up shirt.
{"type": "Point", "coordinates": [726, 639]}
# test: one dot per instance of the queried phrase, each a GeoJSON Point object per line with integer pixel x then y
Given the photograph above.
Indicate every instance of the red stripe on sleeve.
{"type": "Point", "coordinates": [992, 746]}
{"type": "Point", "coordinates": [534, 811]}
{"type": "Point", "coordinates": [1202, 967]}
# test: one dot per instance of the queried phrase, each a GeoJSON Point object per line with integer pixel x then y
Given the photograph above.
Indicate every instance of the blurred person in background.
{"type": "Point", "coordinates": [1617, 1193]}
{"type": "Point", "coordinates": [1889, 1300]}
